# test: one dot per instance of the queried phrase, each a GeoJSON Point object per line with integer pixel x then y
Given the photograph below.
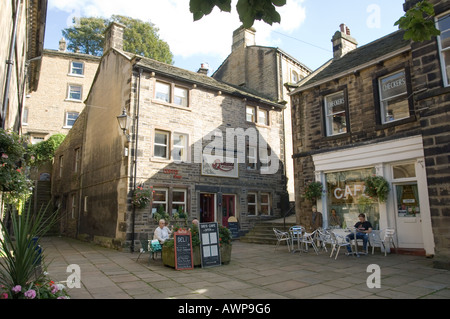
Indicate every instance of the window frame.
{"type": "Point", "coordinates": [69, 92]}
{"type": "Point", "coordinates": [66, 119]}
{"type": "Point", "coordinates": [71, 68]}
{"type": "Point", "coordinates": [267, 119]}
{"type": "Point", "coordinates": [171, 94]}
{"type": "Point", "coordinates": [253, 115]}
{"type": "Point", "coordinates": [252, 166]}
{"type": "Point", "coordinates": [25, 115]}
{"type": "Point", "coordinates": [77, 160]}
{"type": "Point", "coordinates": [168, 146]}
{"type": "Point", "coordinates": [180, 190]}
{"type": "Point", "coordinates": [255, 204]}
{"type": "Point", "coordinates": [268, 204]}
{"type": "Point", "coordinates": [185, 147]}
{"type": "Point", "coordinates": [325, 96]}
{"type": "Point", "coordinates": [382, 108]}
{"type": "Point", "coordinates": [445, 76]}
{"type": "Point", "coordinates": [166, 202]}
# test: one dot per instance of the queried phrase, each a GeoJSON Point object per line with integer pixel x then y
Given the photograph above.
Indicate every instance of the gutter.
{"type": "Point", "coordinates": [10, 62]}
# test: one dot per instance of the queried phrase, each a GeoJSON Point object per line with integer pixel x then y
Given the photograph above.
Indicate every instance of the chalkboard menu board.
{"type": "Point", "coordinates": [234, 229]}
{"type": "Point", "coordinates": [209, 244]}
{"type": "Point", "coordinates": [183, 250]}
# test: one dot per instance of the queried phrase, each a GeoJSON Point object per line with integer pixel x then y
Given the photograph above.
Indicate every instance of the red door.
{"type": "Point", "coordinates": [228, 208]}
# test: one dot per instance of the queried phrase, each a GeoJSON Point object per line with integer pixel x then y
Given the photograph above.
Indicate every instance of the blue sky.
{"type": "Point", "coordinates": [305, 31]}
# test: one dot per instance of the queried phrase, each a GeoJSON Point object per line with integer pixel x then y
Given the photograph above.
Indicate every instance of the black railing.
{"type": "Point", "coordinates": [287, 214]}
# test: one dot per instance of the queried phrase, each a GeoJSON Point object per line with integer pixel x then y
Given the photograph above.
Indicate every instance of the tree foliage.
{"type": "Point", "coordinates": [418, 22]}
{"type": "Point", "coordinates": [142, 38]}
{"type": "Point", "coordinates": [248, 10]}
{"type": "Point", "coordinates": [45, 151]}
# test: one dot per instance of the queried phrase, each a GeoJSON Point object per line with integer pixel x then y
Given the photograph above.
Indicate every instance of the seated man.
{"type": "Point", "coordinates": [162, 233]}
{"type": "Point", "coordinates": [363, 228]}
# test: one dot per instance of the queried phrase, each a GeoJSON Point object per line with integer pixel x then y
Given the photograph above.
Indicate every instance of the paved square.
{"type": "Point", "coordinates": [255, 272]}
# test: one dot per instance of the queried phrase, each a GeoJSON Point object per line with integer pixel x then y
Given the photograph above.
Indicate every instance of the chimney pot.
{"type": "Point", "coordinates": [62, 45]}
{"type": "Point", "coordinates": [343, 42]}
{"type": "Point", "coordinates": [204, 69]}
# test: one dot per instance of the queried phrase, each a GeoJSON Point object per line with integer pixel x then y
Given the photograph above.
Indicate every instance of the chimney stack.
{"type": "Point", "coordinates": [243, 37]}
{"type": "Point", "coordinates": [62, 45]}
{"type": "Point", "coordinates": [343, 42]}
{"type": "Point", "coordinates": [114, 37]}
{"type": "Point", "coordinates": [204, 69]}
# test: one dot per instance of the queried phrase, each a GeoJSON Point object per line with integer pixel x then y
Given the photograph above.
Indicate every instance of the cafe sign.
{"type": "Point", "coordinates": [219, 166]}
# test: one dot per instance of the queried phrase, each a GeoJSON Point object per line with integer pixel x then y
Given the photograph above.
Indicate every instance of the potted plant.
{"type": "Point", "coordinates": [313, 191]}
{"type": "Point", "coordinates": [377, 187]}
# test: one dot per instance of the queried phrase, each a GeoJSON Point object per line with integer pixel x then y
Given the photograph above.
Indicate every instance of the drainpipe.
{"type": "Point", "coordinates": [136, 140]}
{"type": "Point", "coordinates": [10, 61]}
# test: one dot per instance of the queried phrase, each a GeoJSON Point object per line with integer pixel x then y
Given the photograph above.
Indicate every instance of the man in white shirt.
{"type": "Point", "coordinates": [162, 233]}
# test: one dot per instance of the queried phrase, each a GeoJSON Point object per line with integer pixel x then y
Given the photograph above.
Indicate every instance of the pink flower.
{"type": "Point", "coordinates": [4, 296]}
{"type": "Point", "coordinates": [54, 289]}
{"type": "Point", "coordinates": [17, 289]}
{"type": "Point", "coordinates": [61, 297]}
{"type": "Point", "coordinates": [5, 156]}
{"type": "Point", "coordinates": [30, 294]}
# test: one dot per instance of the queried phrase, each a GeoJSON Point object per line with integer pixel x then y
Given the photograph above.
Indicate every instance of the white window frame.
{"type": "Point", "coordinates": [266, 116]}
{"type": "Point", "coordinates": [167, 146]}
{"type": "Point", "coordinates": [268, 204]}
{"type": "Point", "coordinates": [25, 115]}
{"type": "Point", "coordinates": [185, 99]}
{"type": "Point", "coordinates": [179, 190]}
{"type": "Point", "coordinates": [166, 202]}
{"type": "Point", "coordinates": [72, 69]}
{"type": "Point", "coordinates": [253, 114]}
{"type": "Point", "coordinates": [66, 120]}
{"type": "Point", "coordinates": [255, 204]}
{"type": "Point", "coordinates": [382, 107]}
{"type": "Point", "coordinates": [156, 91]}
{"type": "Point", "coordinates": [329, 116]}
{"type": "Point", "coordinates": [70, 90]}
{"type": "Point", "coordinates": [37, 139]}
{"type": "Point", "coordinates": [445, 77]}
{"type": "Point", "coordinates": [184, 148]}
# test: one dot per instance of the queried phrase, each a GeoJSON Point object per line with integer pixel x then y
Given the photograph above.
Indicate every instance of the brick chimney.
{"type": "Point", "coordinates": [62, 45]}
{"type": "Point", "coordinates": [114, 37]}
{"type": "Point", "coordinates": [343, 42]}
{"type": "Point", "coordinates": [243, 37]}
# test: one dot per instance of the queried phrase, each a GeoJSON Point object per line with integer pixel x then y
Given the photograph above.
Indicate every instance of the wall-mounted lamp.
{"type": "Point", "coordinates": [124, 123]}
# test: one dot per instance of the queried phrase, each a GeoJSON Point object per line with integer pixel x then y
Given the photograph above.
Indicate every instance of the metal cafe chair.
{"type": "Point", "coordinates": [282, 237]}
{"type": "Point", "coordinates": [337, 241]}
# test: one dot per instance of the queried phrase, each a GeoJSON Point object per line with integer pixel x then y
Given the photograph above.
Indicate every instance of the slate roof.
{"type": "Point", "coordinates": [356, 58]}
{"type": "Point", "coordinates": [202, 80]}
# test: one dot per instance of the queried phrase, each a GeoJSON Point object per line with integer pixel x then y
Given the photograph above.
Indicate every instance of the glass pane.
{"type": "Point", "coordinates": [179, 196]}
{"type": "Point", "coordinates": [264, 198]}
{"type": "Point", "coordinates": [337, 124]}
{"type": "Point", "coordinates": [265, 210]}
{"type": "Point", "coordinates": [157, 207]}
{"type": "Point", "coordinates": [159, 196]}
{"type": "Point", "coordinates": [404, 171]}
{"type": "Point", "coordinates": [444, 27]}
{"type": "Point", "coordinates": [345, 192]}
{"type": "Point", "coordinates": [178, 207]}
{"type": "Point", "coordinates": [446, 55]}
{"type": "Point", "coordinates": [180, 97]}
{"type": "Point", "coordinates": [335, 103]}
{"type": "Point", "coordinates": [393, 85]}
{"type": "Point", "coordinates": [263, 117]}
{"type": "Point", "coordinates": [161, 138]}
{"type": "Point", "coordinates": [251, 198]}
{"type": "Point", "coordinates": [160, 151]}
{"type": "Point", "coordinates": [77, 68]}
{"type": "Point", "coordinates": [395, 109]}
{"type": "Point", "coordinates": [162, 92]}
{"type": "Point", "coordinates": [251, 209]}
{"type": "Point", "coordinates": [407, 200]}
{"type": "Point", "coordinates": [179, 140]}
{"type": "Point", "coordinates": [71, 118]}
{"type": "Point", "coordinates": [75, 92]}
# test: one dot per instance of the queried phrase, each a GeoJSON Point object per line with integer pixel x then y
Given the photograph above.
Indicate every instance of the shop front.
{"type": "Point", "coordinates": [401, 163]}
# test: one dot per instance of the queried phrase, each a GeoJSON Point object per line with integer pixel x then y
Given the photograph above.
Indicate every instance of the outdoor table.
{"type": "Point", "coordinates": [296, 234]}
{"type": "Point", "coordinates": [343, 233]}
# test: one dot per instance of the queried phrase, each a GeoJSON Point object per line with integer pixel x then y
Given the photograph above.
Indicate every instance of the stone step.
{"type": "Point", "coordinates": [262, 233]}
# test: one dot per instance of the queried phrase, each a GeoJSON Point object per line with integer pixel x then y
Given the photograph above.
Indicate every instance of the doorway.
{"type": "Point", "coordinates": [207, 208]}
{"type": "Point", "coordinates": [228, 208]}
{"type": "Point", "coordinates": [408, 216]}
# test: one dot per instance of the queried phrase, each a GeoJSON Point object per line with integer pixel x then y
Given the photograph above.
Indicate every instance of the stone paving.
{"type": "Point", "coordinates": [255, 272]}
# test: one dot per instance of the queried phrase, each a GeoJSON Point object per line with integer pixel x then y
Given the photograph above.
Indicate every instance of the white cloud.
{"type": "Point", "coordinates": [211, 35]}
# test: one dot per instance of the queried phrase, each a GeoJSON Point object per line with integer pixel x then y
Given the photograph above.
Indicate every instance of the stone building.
{"type": "Point", "coordinates": [266, 70]}
{"type": "Point", "coordinates": [380, 109]}
{"type": "Point", "coordinates": [22, 27]}
{"type": "Point", "coordinates": [200, 145]}
{"type": "Point", "coordinates": [65, 81]}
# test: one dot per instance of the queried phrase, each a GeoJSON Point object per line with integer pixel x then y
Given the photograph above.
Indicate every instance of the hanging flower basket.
{"type": "Point", "coordinates": [141, 197]}
{"type": "Point", "coordinates": [313, 191]}
{"type": "Point", "coordinates": [378, 187]}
